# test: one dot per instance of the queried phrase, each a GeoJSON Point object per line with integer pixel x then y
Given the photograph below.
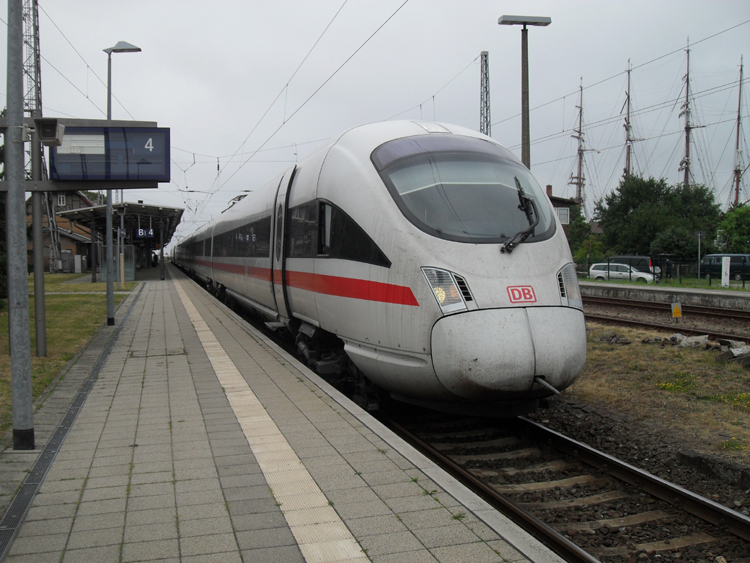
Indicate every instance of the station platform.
{"type": "Point", "coordinates": [183, 434]}
{"type": "Point", "coordinates": [736, 298]}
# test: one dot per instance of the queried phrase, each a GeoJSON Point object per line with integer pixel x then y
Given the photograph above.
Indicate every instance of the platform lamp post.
{"type": "Point", "coordinates": [524, 21]}
{"type": "Point", "coordinates": [121, 47]}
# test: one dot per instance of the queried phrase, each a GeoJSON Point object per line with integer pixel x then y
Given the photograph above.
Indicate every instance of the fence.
{"type": "Point", "coordinates": [677, 272]}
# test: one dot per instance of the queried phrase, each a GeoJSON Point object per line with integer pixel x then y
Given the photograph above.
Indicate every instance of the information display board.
{"type": "Point", "coordinates": [112, 154]}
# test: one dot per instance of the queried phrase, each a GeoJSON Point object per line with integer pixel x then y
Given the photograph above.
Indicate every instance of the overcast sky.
{"type": "Point", "coordinates": [211, 70]}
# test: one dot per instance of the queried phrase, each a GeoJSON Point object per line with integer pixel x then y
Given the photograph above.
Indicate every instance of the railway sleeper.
{"type": "Point", "coordinates": [557, 465]}
{"type": "Point", "coordinates": [632, 520]}
{"type": "Point", "coordinates": [548, 485]}
{"type": "Point", "coordinates": [666, 545]}
{"type": "Point", "coordinates": [498, 443]}
{"type": "Point", "coordinates": [575, 502]}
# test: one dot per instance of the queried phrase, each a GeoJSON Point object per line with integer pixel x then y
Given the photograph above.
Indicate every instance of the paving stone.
{"type": "Point", "coordinates": [150, 550]}
{"type": "Point", "coordinates": [107, 554]}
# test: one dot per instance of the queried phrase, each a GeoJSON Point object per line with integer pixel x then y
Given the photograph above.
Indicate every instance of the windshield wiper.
{"type": "Point", "coordinates": [528, 206]}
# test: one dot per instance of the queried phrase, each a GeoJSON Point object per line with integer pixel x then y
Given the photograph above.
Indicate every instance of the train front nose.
{"type": "Point", "coordinates": [491, 354]}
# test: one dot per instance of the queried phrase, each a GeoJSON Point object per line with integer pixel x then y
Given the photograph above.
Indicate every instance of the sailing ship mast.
{"type": "Point", "coordinates": [737, 151]}
{"type": "Point", "coordinates": [628, 130]}
{"type": "Point", "coordinates": [685, 162]}
{"type": "Point", "coordinates": [579, 180]}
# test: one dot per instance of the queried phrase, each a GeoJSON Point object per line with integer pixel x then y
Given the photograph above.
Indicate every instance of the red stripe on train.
{"type": "Point", "coordinates": [328, 285]}
{"type": "Point", "coordinates": [352, 288]}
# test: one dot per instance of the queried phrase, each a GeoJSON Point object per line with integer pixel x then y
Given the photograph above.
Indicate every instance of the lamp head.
{"type": "Point", "coordinates": [122, 47]}
{"type": "Point", "coordinates": [524, 20]}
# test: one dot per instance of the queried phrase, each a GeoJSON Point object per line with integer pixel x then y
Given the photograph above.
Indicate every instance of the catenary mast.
{"type": "Point", "coordinates": [32, 105]}
{"type": "Point", "coordinates": [485, 123]}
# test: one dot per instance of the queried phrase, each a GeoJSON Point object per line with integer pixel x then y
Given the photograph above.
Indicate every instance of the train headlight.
{"type": "Point", "coordinates": [570, 291]}
{"type": "Point", "coordinates": [445, 289]}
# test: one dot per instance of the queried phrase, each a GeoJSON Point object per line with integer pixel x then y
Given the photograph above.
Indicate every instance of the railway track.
{"type": "Point", "coordinates": [715, 318]}
{"type": "Point", "coordinates": [686, 309]}
{"type": "Point", "coordinates": [585, 505]}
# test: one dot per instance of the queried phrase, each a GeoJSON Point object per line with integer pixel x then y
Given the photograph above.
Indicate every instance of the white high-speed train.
{"type": "Point", "coordinates": [417, 258]}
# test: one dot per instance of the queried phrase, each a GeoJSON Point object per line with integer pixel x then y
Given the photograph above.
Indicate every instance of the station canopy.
{"type": "Point", "coordinates": [135, 216]}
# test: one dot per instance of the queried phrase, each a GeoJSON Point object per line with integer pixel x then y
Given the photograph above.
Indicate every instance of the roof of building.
{"type": "Point", "coordinates": [135, 215]}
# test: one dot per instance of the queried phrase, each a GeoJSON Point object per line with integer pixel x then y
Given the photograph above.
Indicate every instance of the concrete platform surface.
{"type": "Point", "coordinates": [182, 434]}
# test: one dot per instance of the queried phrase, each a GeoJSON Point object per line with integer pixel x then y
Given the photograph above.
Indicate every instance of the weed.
{"type": "Point", "coordinates": [682, 382]}
{"type": "Point", "coordinates": [733, 444]}
{"type": "Point", "coordinates": [459, 516]}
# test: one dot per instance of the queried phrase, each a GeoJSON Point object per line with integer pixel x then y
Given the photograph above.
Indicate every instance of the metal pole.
{"type": "Point", "coordinates": [18, 291]}
{"type": "Point", "coordinates": [40, 314]}
{"type": "Point", "coordinates": [699, 259]}
{"type": "Point", "coordinates": [161, 245]}
{"type": "Point", "coordinates": [94, 249]}
{"type": "Point", "coordinates": [525, 138]}
{"type": "Point", "coordinates": [108, 227]}
{"type": "Point", "coordinates": [120, 251]}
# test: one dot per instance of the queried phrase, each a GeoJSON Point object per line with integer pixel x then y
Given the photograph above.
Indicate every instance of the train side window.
{"type": "Point", "coordinates": [324, 229]}
{"type": "Point", "coordinates": [302, 229]}
{"type": "Point", "coordinates": [349, 241]}
{"type": "Point", "coordinates": [279, 219]}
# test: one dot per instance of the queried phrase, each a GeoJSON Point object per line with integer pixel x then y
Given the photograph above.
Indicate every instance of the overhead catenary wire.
{"type": "Point", "coordinates": [303, 104]}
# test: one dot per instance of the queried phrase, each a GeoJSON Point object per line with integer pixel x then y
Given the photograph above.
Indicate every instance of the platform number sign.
{"type": "Point", "coordinates": [144, 233]}
{"type": "Point", "coordinates": [112, 154]}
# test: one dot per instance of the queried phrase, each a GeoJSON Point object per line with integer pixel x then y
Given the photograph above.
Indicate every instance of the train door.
{"type": "Point", "coordinates": [279, 250]}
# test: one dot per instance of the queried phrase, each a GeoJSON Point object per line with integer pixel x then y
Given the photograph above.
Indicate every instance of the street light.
{"type": "Point", "coordinates": [524, 21]}
{"type": "Point", "coordinates": [121, 47]}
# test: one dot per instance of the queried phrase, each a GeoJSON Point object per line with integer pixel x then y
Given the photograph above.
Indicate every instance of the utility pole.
{"type": "Point", "coordinates": [18, 293]}
{"type": "Point", "coordinates": [685, 163]}
{"type": "Point", "coordinates": [737, 150]}
{"type": "Point", "coordinates": [485, 122]}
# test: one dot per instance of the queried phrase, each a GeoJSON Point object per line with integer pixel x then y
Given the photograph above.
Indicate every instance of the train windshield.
{"type": "Point", "coordinates": [462, 188]}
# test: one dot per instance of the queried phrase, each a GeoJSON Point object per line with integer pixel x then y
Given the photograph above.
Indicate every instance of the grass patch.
{"type": "Point", "coordinates": [680, 388]}
{"type": "Point", "coordinates": [64, 283]}
{"type": "Point", "coordinates": [72, 319]}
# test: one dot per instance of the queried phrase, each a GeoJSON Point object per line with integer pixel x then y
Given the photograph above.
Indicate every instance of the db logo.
{"type": "Point", "coordinates": [521, 294]}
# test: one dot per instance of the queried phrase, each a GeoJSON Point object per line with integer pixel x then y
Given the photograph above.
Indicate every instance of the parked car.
{"type": "Point", "coordinates": [640, 263]}
{"type": "Point", "coordinates": [619, 272]}
{"type": "Point", "coordinates": [739, 266]}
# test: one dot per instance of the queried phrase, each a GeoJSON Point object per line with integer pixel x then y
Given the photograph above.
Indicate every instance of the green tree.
{"type": "Point", "coordinates": [635, 215]}
{"type": "Point", "coordinates": [578, 229]}
{"type": "Point", "coordinates": [590, 251]}
{"type": "Point", "coordinates": [678, 241]}
{"type": "Point", "coordinates": [734, 230]}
